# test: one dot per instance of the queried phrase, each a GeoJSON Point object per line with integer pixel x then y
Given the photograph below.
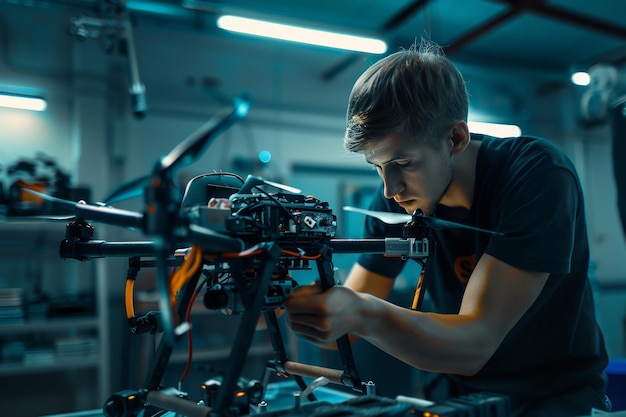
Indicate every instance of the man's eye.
{"type": "Point", "coordinates": [403, 163]}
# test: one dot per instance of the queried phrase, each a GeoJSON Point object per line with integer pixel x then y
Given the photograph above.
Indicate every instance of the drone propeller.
{"type": "Point", "coordinates": [108, 215]}
{"type": "Point", "coordinates": [193, 146]}
{"type": "Point", "coordinates": [127, 190]}
{"type": "Point", "coordinates": [187, 151]}
{"type": "Point", "coordinates": [433, 222]}
{"type": "Point", "coordinates": [254, 181]}
{"type": "Point", "coordinates": [383, 216]}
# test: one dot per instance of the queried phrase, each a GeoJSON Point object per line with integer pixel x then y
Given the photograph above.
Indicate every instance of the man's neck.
{"type": "Point", "coordinates": [461, 190]}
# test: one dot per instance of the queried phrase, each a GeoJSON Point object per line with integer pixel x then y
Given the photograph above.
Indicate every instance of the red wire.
{"type": "Point", "coordinates": [249, 252]}
{"type": "Point", "coordinates": [297, 255]}
{"type": "Point", "coordinates": [189, 337]}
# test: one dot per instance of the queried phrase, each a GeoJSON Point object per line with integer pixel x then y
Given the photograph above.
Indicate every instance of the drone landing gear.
{"type": "Point", "coordinates": [223, 401]}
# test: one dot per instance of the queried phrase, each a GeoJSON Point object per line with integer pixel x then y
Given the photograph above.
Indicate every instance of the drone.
{"type": "Point", "coordinates": [237, 240]}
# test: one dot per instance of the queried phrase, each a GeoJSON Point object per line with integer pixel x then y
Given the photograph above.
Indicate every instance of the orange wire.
{"type": "Point", "coordinates": [190, 266]}
{"type": "Point", "coordinates": [128, 298]}
{"type": "Point", "coordinates": [172, 295]}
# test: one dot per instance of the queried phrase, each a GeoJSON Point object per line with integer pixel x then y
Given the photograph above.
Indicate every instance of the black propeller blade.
{"type": "Point", "coordinates": [183, 154]}
{"type": "Point", "coordinates": [254, 181]}
{"type": "Point", "coordinates": [126, 191]}
{"type": "Point", "coordinates": [433, 222]}
{"type": "Point", "coordinates": [108, 215]}
{"type": "Point", "coordinates": [189, 149]}
{"type": "Point", "coordinates": [383, 216]}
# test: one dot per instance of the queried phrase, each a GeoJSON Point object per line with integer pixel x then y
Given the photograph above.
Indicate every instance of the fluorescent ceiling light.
{"type": "Point", "coordinates": [302, 35]}
{"type": "Point", "coordinates": [495, 129]}
{"type": "Point", "coordinates": [17, 101]}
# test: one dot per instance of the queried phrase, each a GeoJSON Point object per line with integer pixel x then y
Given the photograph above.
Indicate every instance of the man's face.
{"type": "Point", "coordinates": [415, 176]}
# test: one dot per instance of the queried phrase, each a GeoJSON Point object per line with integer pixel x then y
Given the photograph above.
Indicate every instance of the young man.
{"type": "Point", "coordinates": [513, 313]}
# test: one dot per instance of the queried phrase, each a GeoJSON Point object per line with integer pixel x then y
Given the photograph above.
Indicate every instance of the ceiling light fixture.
{"type": "Point", "coordinates": [581, 78]}
{"type": "Point", "coordinates": [301, 35]}
{"type": "Point", "coordinates": [24, 102]}
{"type": "Point", "coordinates": [495, 129]}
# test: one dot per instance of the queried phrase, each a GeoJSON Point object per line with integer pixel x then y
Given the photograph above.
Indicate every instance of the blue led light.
{"type": "Point", "coordinates": [265, 156]}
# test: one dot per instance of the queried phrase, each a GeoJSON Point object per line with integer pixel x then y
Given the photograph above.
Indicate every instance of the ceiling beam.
{"type": "Point", "coordinates": [554, 12]}
{"type": "Point", "coordinates": [481, 30]}
{"type": "Point", "coordinates": [585, 21]}
{"type": "Point", "coordinates": [393, 22]}
{"type": "Point", "coordinates": [516, 7]}
{"type": "Point", "coordinates": [404, 14]}
{"type": "Point", "coordinates": [340, 66]}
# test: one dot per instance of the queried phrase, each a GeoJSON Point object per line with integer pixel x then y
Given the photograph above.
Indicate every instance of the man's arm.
{"type": "Point", "coordinates": [363, 280]}
{"type": "Point", "coordinates": [496, 297]}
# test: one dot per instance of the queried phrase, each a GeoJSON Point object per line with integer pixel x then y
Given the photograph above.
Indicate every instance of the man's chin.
{"type": "Point", "coordinates": [409, 206]}
{"type": "Point", "coordinates": [412, 207]}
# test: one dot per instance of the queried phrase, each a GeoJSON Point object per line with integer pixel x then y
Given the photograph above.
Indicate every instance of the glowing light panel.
{"type": "Point", "coordinates": [581, 78]}
{"type": "Point", "coordinates": [495, 129]}
{"type": "Point", "coordinates": [301, 35]}
{"type": "Point", "coordinates": [22, 102]}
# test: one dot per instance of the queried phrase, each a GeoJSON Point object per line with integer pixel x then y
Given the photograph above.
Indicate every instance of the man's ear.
{"type": "Point", "coordinates": [459, 137]}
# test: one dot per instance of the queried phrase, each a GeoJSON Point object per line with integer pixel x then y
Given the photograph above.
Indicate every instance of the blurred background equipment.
{"type": "Point", "coordinates": [42, 174]}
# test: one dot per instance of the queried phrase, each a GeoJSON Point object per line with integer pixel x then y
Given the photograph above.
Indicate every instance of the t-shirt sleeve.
{"type": "Point", "coordinates": [539, 214]}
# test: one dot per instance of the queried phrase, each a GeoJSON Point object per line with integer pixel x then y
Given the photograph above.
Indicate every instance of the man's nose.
{"type": "Point", "coordinates": [393, 184]}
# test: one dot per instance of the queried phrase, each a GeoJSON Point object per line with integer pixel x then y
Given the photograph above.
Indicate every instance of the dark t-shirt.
{"type": "Point", "coordinates": [527, 189]}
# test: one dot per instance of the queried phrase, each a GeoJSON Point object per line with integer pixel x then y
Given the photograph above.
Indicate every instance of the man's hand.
{"type": "Point", "coordinates": [322, 317]}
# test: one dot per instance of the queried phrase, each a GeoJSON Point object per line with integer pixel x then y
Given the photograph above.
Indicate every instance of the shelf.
{"type": "Point", "coordinates": [51, 354]}
{"type": "Point", "coordinates": [65, 364]}
{"type": "Point", "coordinates": [49, 325]}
